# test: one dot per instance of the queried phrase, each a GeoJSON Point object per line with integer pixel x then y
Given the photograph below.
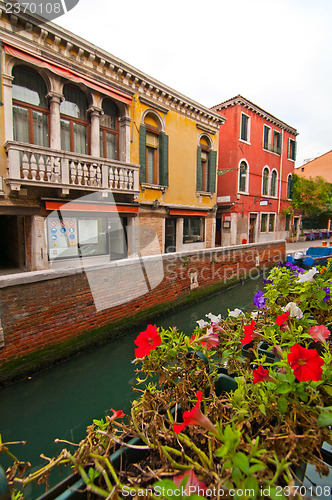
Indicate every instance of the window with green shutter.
{"type": "Point", "coordinates": [206, 166]}
{"type": "Point", "coordinates": [153, 155]}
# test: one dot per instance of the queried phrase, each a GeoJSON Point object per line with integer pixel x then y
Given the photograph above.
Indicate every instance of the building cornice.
{"type": "Point", "coordinates": [56, 44]}
{"type": "Point", "coordinates": [239, 100]}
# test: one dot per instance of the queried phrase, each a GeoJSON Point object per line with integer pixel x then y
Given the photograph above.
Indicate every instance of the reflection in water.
{"type": "Point", "coordinates": [63, 401]}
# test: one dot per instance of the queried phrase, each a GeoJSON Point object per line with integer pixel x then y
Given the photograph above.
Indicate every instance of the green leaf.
{"type": "Point", "coordinates": [275, 494]}
{"type": "Point", "coordinates": [241, 461]}
{"type": "Point", "coordinates": [324, 419]}
{"type": "Point", "coordinates": [328, 389]}
{"type": "Point", "coordinates": [284, 388]}
{"type": "Point", "coordinates": [262, 409]}
{"type": "Point", "coordinates": [282, 405]}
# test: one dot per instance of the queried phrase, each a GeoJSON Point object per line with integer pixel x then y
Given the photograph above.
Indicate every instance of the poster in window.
{"type": "Point", "coordinates": [88, 231]}
{"type": "Point", "coordinates": [62, 237]}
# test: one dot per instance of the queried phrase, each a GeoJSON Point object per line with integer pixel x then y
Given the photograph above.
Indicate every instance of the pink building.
{"type": "Point", "coordinates": [256, 160]}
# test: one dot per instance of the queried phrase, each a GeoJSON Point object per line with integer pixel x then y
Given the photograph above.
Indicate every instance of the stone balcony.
{"type": "Point", "coordinates": [30, 165]}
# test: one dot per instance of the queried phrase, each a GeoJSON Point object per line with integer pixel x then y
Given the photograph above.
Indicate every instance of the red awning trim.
{"type": "Point", "coordinates": [187, 212]}
{"type": "Point", "coordinates": [90, 207]}
{"type": "Point", "coordinates": [64, 72]}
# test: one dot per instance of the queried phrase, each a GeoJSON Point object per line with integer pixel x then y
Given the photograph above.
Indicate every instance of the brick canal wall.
{"type": "Point", "coordinates": [47, 315]}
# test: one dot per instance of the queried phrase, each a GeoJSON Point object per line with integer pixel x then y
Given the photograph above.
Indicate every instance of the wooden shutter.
{"type": "Point", "coordinates": [163, 159]}
{"type": "Point", "coordinates": [199, 175]}
{"type": "Point", "coordinates": [212, 171]}
{"type": "Point", "coordinates": [142, 153]}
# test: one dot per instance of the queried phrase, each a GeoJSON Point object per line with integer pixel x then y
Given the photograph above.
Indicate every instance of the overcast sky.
{"type": "Point", "coordinates": [276, 53]}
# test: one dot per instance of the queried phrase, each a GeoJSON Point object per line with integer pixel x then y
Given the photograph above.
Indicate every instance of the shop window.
{"type": "Point", "coordinates": [153, 152]}
{"type": "Point", "coordinates": [291, 149]}
{"type": "Point", "coordinates": [245, 126]}
{"type": "Point", "coordinates": [243, 177]}
{"type": "Point", "coordinates": [206, 166]}
{"type": "Point", "coordinates": [265, 181]}
{"type": "Point", "coordinates": [272, 222]}
{"type": "Point", "coordinates": [273, 187]}
{"type": "Point", "coordinates": [74, 123]}
{"type": "Point", "coordinates": [193, 229]}
{"type": "Point", "coordinates": [30, 109]}
{"type": "Point", "coordinates": [264, 218]}
{"type": "Point", "coordinates": [109, 131]}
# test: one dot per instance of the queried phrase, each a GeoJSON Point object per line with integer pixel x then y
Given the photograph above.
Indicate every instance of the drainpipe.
{"type": "Point", "coordinates": [280, 182]}
{"type": "Point", "coordinates": [1, 103]}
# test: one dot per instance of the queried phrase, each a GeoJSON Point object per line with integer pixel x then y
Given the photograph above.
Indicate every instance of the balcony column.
{"type": "Point", "coordinates": [8, 105]}
{"type": "Point", "coordinates": [95, 114]}
{"type": "Point", "coordinates": [125, 139]}
{"type": "Point", "coordinates": [55, 100]}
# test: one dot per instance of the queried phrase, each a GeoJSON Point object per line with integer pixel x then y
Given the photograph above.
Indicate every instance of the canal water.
{"type": "Point", "coordinates": [63, 401]}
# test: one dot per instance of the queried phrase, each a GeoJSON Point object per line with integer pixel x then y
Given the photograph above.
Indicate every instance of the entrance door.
{"type": "Point", "coordinates": [12, 242]}
{"type": "Point", "coordinates": [252, 227]}
{"type": "Point", "coordinates": [170, 235]}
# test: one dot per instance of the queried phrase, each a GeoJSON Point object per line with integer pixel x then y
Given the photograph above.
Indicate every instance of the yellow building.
{"type": "Point", "coordinates": [97, 159]}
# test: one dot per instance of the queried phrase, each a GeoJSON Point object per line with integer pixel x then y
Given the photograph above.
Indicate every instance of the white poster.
{"type": "Point", "coordinates": [88, 231]}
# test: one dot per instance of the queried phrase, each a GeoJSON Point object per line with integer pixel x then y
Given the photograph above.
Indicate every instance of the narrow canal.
{"type": "Point", "coordinates": [63, 401]}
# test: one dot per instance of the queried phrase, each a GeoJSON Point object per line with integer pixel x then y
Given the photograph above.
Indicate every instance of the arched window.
{"type": "Point", "coordinates": [265, 184]}
{"type": "Point", "coordinates": [109, 131]}
{"type": "Point", "coordinates": [30, 110]}
{"type": "Point", "coordinates": [206, 165]}
{"type": "Point", "coordinates": [289, 187]}
{"type": "Point", "coordinates": [273, 188]}
{"type": "Point", "coordinates": [74, 123]}
{"type": "Point", "coordinates": [243, 177]}
{"type": "Point", "coordinates": [153, 150]}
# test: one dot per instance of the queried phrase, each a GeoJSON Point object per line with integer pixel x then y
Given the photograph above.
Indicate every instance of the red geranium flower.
{"type": "Point", "coordinates": [282, 318]}
{"type": "Point", "coordinates": [248, 332]}
{"type": "Point", "coordinates": [260, 374]}
{"type": "Point", "coordinates": [192, 483]}
{"type": "Point", "coordinates": [117, 414]}
{"type": "Point", "coordinates": [306, 363]}
{"type": "Point", "coordinates": [195, 417]}
{"type": "Point", "coordinates": [319, 333]}
{"type": "Point", "coordinates": [147, 341]}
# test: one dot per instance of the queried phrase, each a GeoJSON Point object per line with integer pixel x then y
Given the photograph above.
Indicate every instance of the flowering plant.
{"type": "Point", "coordinates": [218, 411]}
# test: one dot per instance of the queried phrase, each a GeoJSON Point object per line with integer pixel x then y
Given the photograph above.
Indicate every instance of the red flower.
{"type": "Point", "coordinates": [117, 414]}
{"type": "Point", "coordinates": [319, 333]}
{"type": "Point", "coordinates": [282, 318]}
{"type": "Point", "coordinates": [260, 374]}
{"type": "Point", "coordinates": [306, 363]}
{"type": "Point", "coordinates": [248, 332]}
{"type": "Point", "coordinates": [195, 417]}
{"type": "Point", "coordinates": [147, 341]}
{"type": "Point", "coordinates": [192, 483]}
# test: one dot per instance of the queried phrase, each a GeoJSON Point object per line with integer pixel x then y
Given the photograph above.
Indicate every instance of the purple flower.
{"type": "Point", "coordinates": [267, 282]}
{"type": "Point", "coordinates": [327, 290]}
{"type": "Point", "coordinates": [260, 300]}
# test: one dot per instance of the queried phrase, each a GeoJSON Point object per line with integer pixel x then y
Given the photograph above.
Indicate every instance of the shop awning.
{"type": "Point", "coordinates": [66, 73]}
{"type": "Point", "coordinates": [91, 207]}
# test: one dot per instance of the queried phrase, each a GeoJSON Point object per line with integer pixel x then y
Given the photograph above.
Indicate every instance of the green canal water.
{"type": "Point", "coordinates": [63, 401]}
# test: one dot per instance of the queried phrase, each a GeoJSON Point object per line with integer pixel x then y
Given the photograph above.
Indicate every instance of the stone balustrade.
{"type": "Point", "coordinates": [40, 166]}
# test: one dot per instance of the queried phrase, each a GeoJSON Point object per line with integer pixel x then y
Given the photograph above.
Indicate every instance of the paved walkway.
{"type": "Point", "coordinates": [302, 246]}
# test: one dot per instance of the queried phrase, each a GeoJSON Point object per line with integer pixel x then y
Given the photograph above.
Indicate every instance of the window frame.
{"type": "Point", "coordinates": [247, 177]}
{"type": "Point", "coordinates": [266, 218]}
{"type": "Point", "coordinates": [275, 195]}
{"type": "Point", "coordinates": [277, 143]}
{"type": "Point", "coordinates": [266, 168]}
{"type": "Point", "coordinates": [202, 230]}
{"type": "Point", "coordinates": [267, 147]}
{"type": "Point", "coordinates": [105, 130]}
{"type": "Point", "coordinates": [289, 187]}
{"type": "Point", "coordinates": [31, 108]}
{"type": "Point", "coordinates": [152, 131]}
{"type": "Point", "coordinates": [291, 150]}
{"type": "Point", "coordinates": [247, 139]}
{"type": "Point", "coordinates": [78, 121]}
{"type": "Point", "coordinates": [272, 216]}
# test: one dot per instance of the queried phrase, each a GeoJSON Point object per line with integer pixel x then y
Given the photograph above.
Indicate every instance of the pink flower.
{"type": "Point", "coordinates": [192, 483]}
{"type": "Point", "coordinates": [260, 374]}
{"type": "Point", "coordinates": [282, 318]}
{"type": "Point", "coordinates": [147, 341]}
{"type": "Point", "coordinates": [319, 333]}
{"type": "Point", "coordinates": [306, 363]}
{"type": "Point", "coordinates": [210, 339]}
{"type": "Point", "coordinates": [195, 417]}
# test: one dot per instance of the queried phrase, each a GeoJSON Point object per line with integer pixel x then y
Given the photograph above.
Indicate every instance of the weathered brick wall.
{"type": "Point", "coordinates": [45, 308]}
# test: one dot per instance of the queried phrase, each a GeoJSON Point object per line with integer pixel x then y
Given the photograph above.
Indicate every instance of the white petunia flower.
{"type": "Point", "coordinates": [202, 323]}
{"type": "Point", "coordinates": [294, 310]}
{"type": "Point", "coordinates": [308, 276]}
{"type": "Point", "coordinates": [213, 318]}
{"type": "Point", "coordinates": [236, 313]}
{"type": "Point", "coordinates": [254, 315]}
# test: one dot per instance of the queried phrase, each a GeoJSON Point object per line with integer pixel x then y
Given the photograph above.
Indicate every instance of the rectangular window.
{"type": "Point", "coordinates": [291, 149]}
{"type": "Point", "coordinates": [193, 229]}
{"type": "Point", "coordinates": [267, 138]}
{"type": "Point", "coordinates": [272, 222]}
{"type": "Point", "coordinates": [244, 127]}
{"type": "Point", "coordinates": [152, 143]}
{"type": "Point", "coordinates": [264, 223]}
{"type": "Point", "coordinates": [287, 222]}
{"type": "Point", "coordinates": [277, 142]}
